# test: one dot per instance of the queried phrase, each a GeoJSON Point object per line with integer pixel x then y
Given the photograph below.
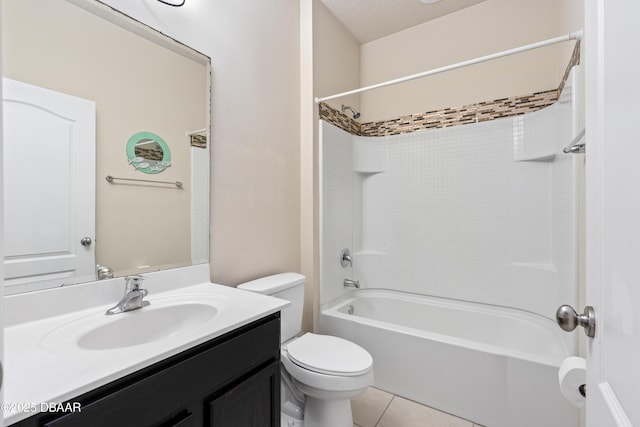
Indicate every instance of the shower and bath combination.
{"type": "Point", "coordinates": [417, 264]}
{"type": "Point", "coordinates": [353, 111]}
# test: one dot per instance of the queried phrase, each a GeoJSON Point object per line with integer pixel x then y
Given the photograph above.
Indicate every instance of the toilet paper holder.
{"type": "Point", "coordinates": [572, 378]}
{"type": "Point", "coordinates": [583, 390]}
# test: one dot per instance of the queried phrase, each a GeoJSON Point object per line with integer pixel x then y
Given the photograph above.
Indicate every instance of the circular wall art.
{"type": "Point", "coordinates": [148, 153]}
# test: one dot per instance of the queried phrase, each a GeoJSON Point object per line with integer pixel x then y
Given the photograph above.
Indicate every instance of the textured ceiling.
{"type": "Point", "coordinates": [372, 19]}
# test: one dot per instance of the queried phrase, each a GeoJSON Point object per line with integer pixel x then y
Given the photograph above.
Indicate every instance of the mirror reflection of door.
{"type": "Point", "coordinates": [49, 187]}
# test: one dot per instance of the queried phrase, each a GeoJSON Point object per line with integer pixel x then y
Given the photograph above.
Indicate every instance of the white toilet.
{"type": "Point", "coordinates": [321, 373]}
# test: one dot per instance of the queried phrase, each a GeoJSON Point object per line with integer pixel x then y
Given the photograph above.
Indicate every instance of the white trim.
{"type": "Point", "coordinates": [615, 407]}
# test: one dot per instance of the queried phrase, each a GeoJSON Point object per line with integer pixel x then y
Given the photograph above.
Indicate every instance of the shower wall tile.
{"type": "Point", "coordinates": [336, 193]}
{"type": "Point", "coordinates": [566, 177]}
{"type": "Point", "coordinates": [369, 155]}
{"type": "Point", "coordinates": [443, 234]}
{"type": "Point", "coordinates": [484, 212]}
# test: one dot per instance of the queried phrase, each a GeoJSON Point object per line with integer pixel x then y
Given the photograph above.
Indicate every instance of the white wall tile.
{"type": "Point", "coordinates": [483, 212]}
{"type": "Point", "coordinates": [336, 194]}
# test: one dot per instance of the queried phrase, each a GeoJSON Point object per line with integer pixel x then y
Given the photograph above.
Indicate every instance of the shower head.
{"type": "Point", "coordinates": [354, 112]}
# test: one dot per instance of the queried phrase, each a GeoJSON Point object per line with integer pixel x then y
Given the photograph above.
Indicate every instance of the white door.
{"type": "Point", "coordinates": [613, 210]}
{"type": "Point", "coordinates": [1, 256]}
{"type": "Point", "coordinates": [49, 201]}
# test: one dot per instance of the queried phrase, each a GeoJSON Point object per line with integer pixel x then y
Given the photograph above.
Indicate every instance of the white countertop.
{"type": "Point", "coordinates": [40, 369]}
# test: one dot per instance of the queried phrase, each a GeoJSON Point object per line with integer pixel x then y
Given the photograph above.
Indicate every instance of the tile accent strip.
{"type": "Point", "coordinates": [575, 60]}
{"type": "Point", "coordinates": [454, 116]}
{"type": "Point", "coordinates": [339, 119]}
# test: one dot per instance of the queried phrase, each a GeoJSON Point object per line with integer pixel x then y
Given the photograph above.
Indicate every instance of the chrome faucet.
{"type": "Point", "coordinates": [132, 298]}
{"type": "Point", "coordinates": [348, 283]}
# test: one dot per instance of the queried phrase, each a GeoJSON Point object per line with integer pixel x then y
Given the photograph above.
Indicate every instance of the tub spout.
{"type": "Point", "coordinates": [348, 283]}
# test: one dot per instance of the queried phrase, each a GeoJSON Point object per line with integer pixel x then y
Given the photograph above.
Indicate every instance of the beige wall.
{"type": "Point", "coordinates": [137, 86]}
{"type": "Point", "coordinates": [255, 113]}
{"type": "Point", "coordinates": [255, 196]}
{"type": "Point", "coordinates": [336, 58]}
{"type": "Point", "coordinates": [488, 27]}
{"type": "Point", "coordinates": [335, 65]}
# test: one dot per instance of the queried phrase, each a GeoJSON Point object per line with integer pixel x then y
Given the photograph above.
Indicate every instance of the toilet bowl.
{"type": "Point", "coordinates": [329, 371]}
{"type": "Point", "coordinates": [321, 373]}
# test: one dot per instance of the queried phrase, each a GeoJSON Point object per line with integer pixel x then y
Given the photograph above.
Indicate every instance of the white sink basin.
{"type": "Point", "coordinates": [143, 325]}
{"type": "Point", "coordinates": [163, 319]}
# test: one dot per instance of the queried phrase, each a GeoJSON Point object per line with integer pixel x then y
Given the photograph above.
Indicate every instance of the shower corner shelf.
{"type": "Point", "coordinates": [365, 171]}
{"type": "Point", "coordinates": [369, 252]}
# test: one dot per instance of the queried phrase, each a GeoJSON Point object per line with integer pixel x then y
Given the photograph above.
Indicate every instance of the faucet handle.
{"type": "Point", "coordinates": [345, 258]}
{"type": "Point", "coordinates": [133, 282]}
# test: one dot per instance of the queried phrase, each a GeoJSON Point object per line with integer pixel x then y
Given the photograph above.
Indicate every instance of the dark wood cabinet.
{"type": "Point", "coordinates": [230, 381]}
{"type": "Point", "coordinates": [251, 402]}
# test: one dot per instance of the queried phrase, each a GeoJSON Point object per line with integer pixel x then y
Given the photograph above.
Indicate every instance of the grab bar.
{"type": "Point", "coordinates": [576, 146]}
{"type": "Point", "coordinates": [110, 179]}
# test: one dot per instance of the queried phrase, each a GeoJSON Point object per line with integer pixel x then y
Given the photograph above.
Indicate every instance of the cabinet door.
{"type": "Point", "coordinates": [255, 402]}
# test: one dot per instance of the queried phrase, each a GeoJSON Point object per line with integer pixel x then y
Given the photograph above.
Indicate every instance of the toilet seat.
{"type": "Point", "coordinates": [329, 355]}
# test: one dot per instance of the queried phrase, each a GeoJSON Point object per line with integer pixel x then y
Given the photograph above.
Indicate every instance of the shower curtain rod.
{"type": "Point", "coordinates": [571, 36]}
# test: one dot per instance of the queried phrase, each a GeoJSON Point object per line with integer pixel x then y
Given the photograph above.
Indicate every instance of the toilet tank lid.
{"type": "Point", "coordinates": [275, 283]}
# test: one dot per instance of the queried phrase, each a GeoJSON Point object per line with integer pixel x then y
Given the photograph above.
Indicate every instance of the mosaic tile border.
{"type": "Point", "coordinates": [454, 116]}
{"type": "Point", "coordinates": [573, 61]}
{"type": "Point", "coordinates": [339, 119]}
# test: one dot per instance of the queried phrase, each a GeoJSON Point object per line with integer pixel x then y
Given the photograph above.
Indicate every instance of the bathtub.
{"type": "Point", "coordinates": [491, 365]}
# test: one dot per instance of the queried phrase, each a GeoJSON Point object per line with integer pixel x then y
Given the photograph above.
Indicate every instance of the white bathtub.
{"type": "Point", "coordinates": [492, 365]}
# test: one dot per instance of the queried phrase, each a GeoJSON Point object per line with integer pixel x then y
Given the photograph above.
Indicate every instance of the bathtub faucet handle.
{"type": "Point", "coordinates": [345, 258]}
{"type": "Point", "coordinates": [348, 283]}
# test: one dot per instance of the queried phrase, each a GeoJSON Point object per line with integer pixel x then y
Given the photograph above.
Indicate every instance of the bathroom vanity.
{"type": "Point", "coordinates": [222, 369]}
{"type": "Point", "coordinates": [233, 380]}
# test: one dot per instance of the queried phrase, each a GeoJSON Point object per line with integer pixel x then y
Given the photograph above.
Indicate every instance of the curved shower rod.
{"type": "Point", "coordinates": [571, 36]}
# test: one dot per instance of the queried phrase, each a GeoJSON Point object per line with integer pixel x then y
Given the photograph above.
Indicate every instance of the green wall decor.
{"type": "Point", "coordinates": [148, 153]}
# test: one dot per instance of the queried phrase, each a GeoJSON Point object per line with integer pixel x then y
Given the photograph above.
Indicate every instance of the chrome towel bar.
{"type": "Point", "coordinates": [110, 179]}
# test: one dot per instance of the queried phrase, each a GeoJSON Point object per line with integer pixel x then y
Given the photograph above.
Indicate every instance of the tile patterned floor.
{"type": "Point", "coordinates": [377, 408]}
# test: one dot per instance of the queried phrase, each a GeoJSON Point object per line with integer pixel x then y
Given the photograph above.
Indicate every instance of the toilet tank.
{"type": "Point", "coordinates": [287, 286]}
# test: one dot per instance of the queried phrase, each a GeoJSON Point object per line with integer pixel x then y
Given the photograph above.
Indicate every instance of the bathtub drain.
{"type": "Point", "coordinates": [350, 309]}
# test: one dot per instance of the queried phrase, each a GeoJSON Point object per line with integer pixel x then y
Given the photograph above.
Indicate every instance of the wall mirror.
{"type": "Point", "coordinates": [81, 81]}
